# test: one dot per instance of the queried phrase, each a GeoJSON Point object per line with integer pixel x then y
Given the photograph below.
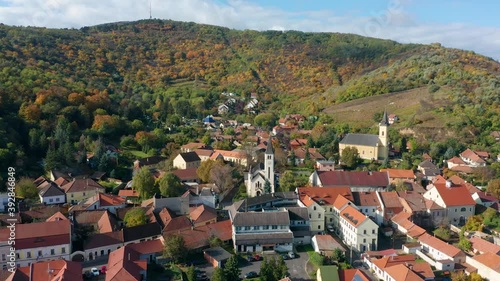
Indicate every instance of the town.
{"type": "Point", "coordinates": [275, 199]}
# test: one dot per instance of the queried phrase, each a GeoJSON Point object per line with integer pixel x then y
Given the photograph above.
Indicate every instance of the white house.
{"type": "Point", "coordinates": [357, 230]}
{"type": "Point", "coordinates": [103, 201]}
{"type": "Point", "coordinates": [454, 198]}
{"type": "Point", "coordinates": [488, 265]}
{"type": "Point", "coordinates": [50, 193]}
{"type": "Point", "coordinates": [326, 244]}
{"type": "Point", "coordinates": [186, 160]}
{"type": "Point", "coordinates": [438, 253]}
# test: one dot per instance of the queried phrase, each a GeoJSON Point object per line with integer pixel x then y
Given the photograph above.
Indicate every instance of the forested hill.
{"type": "Point", "coordinates": [98, 77]}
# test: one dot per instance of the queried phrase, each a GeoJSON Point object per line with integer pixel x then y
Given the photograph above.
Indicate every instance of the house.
{"type": "Point", "coordinates": [104, 201]}
{"type": "Point", "coordinates": [148, 162]}
{"type": "Point", "coordinates": [393, 118]}
{"type": "Point", "coordinates": [455, 162]}
{"type": "Point", "coordinates": [192, 146]}
{"type": "Point", "coordinates": [299, 224]}
{"type": "Point", "coordinates": [187, 175]}
{"type": "Point", "coordinates": [428, 169]}
{"type": "Point", "coordinates": [325, 165]}
{"type": "Point", "coordinates": [438, 253]}
{"type": "Point", "coordinates": [50, 193]}
{"type": "Point", "coordinates": [369, 147]}
{"type": "Point", "coordinates": [171, 223]}
{"type": "Point", "coordinates": [99, 245]}
{"type": "Point", "coordinates": [222, 109]}
{"type": "Point", "coordinates": [325, 245]}
{"type": "Point", "coordinates": [201, 195]}
{"type": "Point", "coordinates": [98, 221]}
{"type": "Point", "coordinates": [262, 231]}
{"type": "Point", "coordinates": [297, 143]}
{"type": "Point", "coordinates": [398, 175]}
{"type": "Point", "coordinates": [352, 275]}
{"type": "Point", "coordinates": [402, 223]}
{"type": "Point", "coordinates": [488, 265]}
{"type": "Point", "coordinates": [203, 215]}
{"type": "Point", "coordinates": [481, 246]}
{"type": "Point", "coordinates": [209, 120]}
{"type": "Point", "coordinates": [369, 204]}
{"type": "Point", "coordinates": [125, 264]}
{"type": "Point", "coordinates": [216, 256]}
{"type": "Point", "coordinates": [53, 270]}
{"type": "Point", "coordinates": [204, 154]}
{"type": "Point", "coordinates": [301, 154]}
{"type": "Point", "coordinates": [455, 199]}
{"type": "Point", "coordinates": [474, 158]}
{"type": "Point", "coordinates": [402, 272]}
{"type": "Point", "coordinates": [485, 198]}
{"type": "Point", "coordinates": [237, 157]}
{"type": "Point", "coordinates": [414, 204]}
{"type": "Point", "coordinates": [40, 241]}
{"type": "Point", "coordinates": [129, 194]}
{"type": "Point", "coordinates": [187, 160]}
{"type": "Point", "coordinates": [320, 204]}
{"type": "Point", "coordinates": [357, 230]}
{"type": "Point", "coordinates": [356, 180]}
{"type": "Point", "coordinates": [327, 273]}
{"type": "Point", "coordinates": [149, 250]}
{"type": "Point", "coordinates": [81, 189]}
{"type": "Point", "coordinates": [199, 237]}
{"type": "Point", "coordinates": [390, 205]}
{"type": "Point", "coordinates": [378, 265]}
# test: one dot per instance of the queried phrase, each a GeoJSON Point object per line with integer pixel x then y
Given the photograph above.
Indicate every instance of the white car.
{"type": "Point", "coordinates": [95, 272]}
{"type": "Point", "coordinates": [291, 255]}
{"type": "Point", "coordinates": [330, 228]}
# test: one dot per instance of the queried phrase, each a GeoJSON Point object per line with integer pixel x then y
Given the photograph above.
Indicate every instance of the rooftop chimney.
{"type": "Point", "coordinates": [448, 184]}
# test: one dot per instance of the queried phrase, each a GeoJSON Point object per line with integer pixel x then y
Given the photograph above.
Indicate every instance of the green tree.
{"type": "Point", "coordinates": [175, 248]}
{"type": "Point", "coordinates": [222, 176]}
{"type": "Point", "coordinates": [281, 269]}
{"type": "Point", "coordinates": [214, 241]}
{"type": "Point", "coordinates": [338, 255]}
{"type": "Point", "coordinates": [26, 188]}
{"type": "Point", "coordinates": [267, 187]}
{"type": "Point", "coordinates": [170, 185]}
{"type": "Point", "coordinates": [474, 223]}
{"type": "Point", "coordinates": [219, 275]}
{"type": "Point", "coordinates": [350, 157]}
{"type": "Point", "coordinates": [265, 120]}
{"type": "Point", "coordinates": [494, 187]}
{"type": "Point", "coordinates": [266, 270]}
{"type": "Point", "coordinates": [135, 217]}
{"type": "Point", "coordinates": [203, 172]}
{"type": "Point", "coordinates": [443, 233]}
{"type": "Point", "coordinates": [231, 268]}
{"type": "Point", "coordinates": [143, 182]}
{"type": "Point", "coordinates": [191, 274]}
{"type": "Point", "coordinates": [474, 276]}
{"type": "Point", "coordinates": [465, 244]}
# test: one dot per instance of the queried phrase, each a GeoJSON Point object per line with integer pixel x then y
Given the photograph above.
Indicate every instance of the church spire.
{"type": "Point", "coordinates": [269, 149]}
{"type": "Point", "coordinates": [385, 120]}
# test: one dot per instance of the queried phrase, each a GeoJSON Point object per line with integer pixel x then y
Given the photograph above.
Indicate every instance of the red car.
{"type": "Point", "coordinates": [257, 257]}
{"type": "Point", "coordinates": [103, 269]}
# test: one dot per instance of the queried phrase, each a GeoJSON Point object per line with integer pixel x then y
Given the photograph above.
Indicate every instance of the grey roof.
{"type": "Point", "coordinates": [269, 149]}
{"type": "Point", "coordinates": [267, 198]}
{"type": "Point", "coordinates": [361, 139]}
{"type": "Point", "coordinates": [298, 213]}
{"type": "Point", "coordinates": [264, 238]}
{"type": "Point", "coordinates": [51, 190]}
{"type": "Point", "coordinates": [141, 231]}
{"type": "Point", "coordinates": [385, 120]}
{"type": "Point", "coordinates": [218, 253]}
{"type": "Point", "coordinates": [190, 156]}
{"type": "Point", "coordinates": [261, 218]}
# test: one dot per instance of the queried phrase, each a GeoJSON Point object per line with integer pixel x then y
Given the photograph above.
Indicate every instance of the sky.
{"type": "Point", "coordinates": [463, 24]}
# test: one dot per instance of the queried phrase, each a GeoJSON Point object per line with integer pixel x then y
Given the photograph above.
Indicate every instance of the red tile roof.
{"type": "Point", "coordinates": [472, 156]}
{"type": "Point", "coordinates": [393, 260]}
{"type": "Point", "coordinates": [352, 275]}
{"type": "Point", "coordinates": [107, 200]}
{"type": "Point", "coordinates": [128, 193]}
{"type": "Point", "coordinates": [457, 160]}
{"type": "Point", "coordinates": [43, 234]}
{"type": "Point", "coordinates": [440, 245]}
{"type": "Point", "coordinates": [198, 237]}
{"type": "Point", "coordinates": [57, 217]}
{"type": "Point", "coordinates": [326, 194]}
{"type": "Point", "coordinates": [340, 202]}
{"type": "Point", "coordinates": [456, 195]}
{"type": "Point", "coordinates": [148, 247]}
{"type": "Point", "coordinates": [490, 260]}
{"type": "Point", "coordinates": [402, 273]}
{"type": "Point", "coordinates": [353, 216]}
{"type": "Point", "coordinates": [399, 173]}
{"type": "Point", "coordinates": [186, 174]}
{"type": "Point", "coordinates": [355, 178]}
{"type": "Point", "coordinates": [328, 243]}
{"type": "Point", "coordinates": [484, 246]}
{"type": "Point", "coordinates": [60, 270]}
{"type": "Point", "coordinates": [366, 199]}
{"type": "Point", "coordinates": [203, 213]}
{"type": "Point", "coordinates": [390, 199]}
{"type": "Point", "coordinates": [79, 185]}
{"type": "Point", "coordinates": [124, 265]}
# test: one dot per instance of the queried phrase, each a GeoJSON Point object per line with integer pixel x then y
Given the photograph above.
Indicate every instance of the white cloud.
{"type": "Point", "coordinates": [391, 23]}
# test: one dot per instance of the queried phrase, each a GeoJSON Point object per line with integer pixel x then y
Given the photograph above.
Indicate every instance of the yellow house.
{"type": "Point", "coordinates": [370, 147]}
{"type": "Point", "coordinates": [78, 190]}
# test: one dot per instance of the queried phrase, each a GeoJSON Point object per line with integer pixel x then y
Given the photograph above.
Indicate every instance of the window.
{"type": "Point", "coordinates": [63, 250]}
{"type": "Point", "coordinates": [455, 210]}
{"type": "Point", "coordinates": [331, 219]}
{"type": "Point", "coordinates": [364, 240]}
{"type": "Point", "coordinates": [3, 257]}
{"type": "Point", "coordinates": [247, 227]}
{"type": "Point", "coordinates": [319, 226]}
{"type": "Point", "coordinates": [275, 227]}
{"type": "Point", "coordinates": [52, 252]}
{"type": "Point", "coordinates": [238, 228]}
{"type": "Point", "coordinates": [39, 253]}
{"type": "Point", "coordinates": [57, 199]}
{"type": "Point", "coordinates": [72, 195]}
{"type": "Point", "coordinates": [314, 208]}
{"type": "Point", "coordinates": [17, 256]}
{"type": "Point", "coordinates": [309, 215]}
{"type": "Point", "coordinates": [102, 252]}
{"type": "Point", "coordinates": [373, 231]}
{"type": "Point", "coordinates": [51, 200]}
{"type": "Point", "coordinates": [463, 209]}
{"type": "Point", "coordinates": [319, 216]}
{"type": "Point", "coordinates": [265, 227]}
{"type": "Point", "coordinates": [28, 255]}
{"type": "Point", "coordinates": [364, 231]}
{"type": "Point", "coordinates": [331, 209]}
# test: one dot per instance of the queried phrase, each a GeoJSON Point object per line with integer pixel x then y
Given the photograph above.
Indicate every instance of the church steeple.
{"type": "Point", "coordinates": [385, 119]}
{"type": "Point", "coordinates": [269, 163]}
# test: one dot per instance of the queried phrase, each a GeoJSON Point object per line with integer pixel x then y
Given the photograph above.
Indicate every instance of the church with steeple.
{"type": "Point", "coordinates": [261, 179]}
{"type": "Point", "coordinates": [370, 147]}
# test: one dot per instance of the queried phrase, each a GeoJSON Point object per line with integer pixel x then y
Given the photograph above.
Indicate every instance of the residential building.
{"type": "Point", "coordinates": [370, 147]}
{"type": "Point", "coordinates": [262, 231]}
{"type": "Point", "coordinates": [204, 154]}
{"type": "Point", "coordinates": [379, 265]}
{"type": "Point", "coordinates": [53, 270]}
{"type": "Point", "coordinates": [357, 230]}
{"type": "Point", "coordinates": [198, 237]}
{"type": "Point", "coordinates": [352, 275]}
{"type": "Point", "coordinates": [216, 256]}
{"type": "Point", "coordinates": [488, 265]}
{"type": "Point", "coordinates": [474, 158]}
{"type": "Point", "coordinates": [398, 175]}
{"type": "Point", "coordinates": [81, 189]}
{"type": "Point", "coordinates": [485, 198]}
{"type": "Point", "coordinates": [428, 170]}
{"type": "Point", "coordinates": [302, 153]}
{"type": "Point", "coordinates": [390, 205]}
{"type": "Point", "coordinates": [438, 253]}
{"type": "Point", "coordinates": [149, 250]}
{"type": "Point", "coordinates": [455, 199]}
{"type": "Point", "coordinates": [325, 245]}
{"type": "Point", "coordinates": [50, 193]}
{"type": "Point", "coordinates": [41, 241]}
{"type": "Point", "coordinates": [203, 215]}
{"type": "Point", "coordinates": [369, 204]}
{"type": "Point", "coordinates": [237, 157]}
{"type": "Point", "coordinates": [299, 224]}
{"type": "Point", "coordinates": [125, 264]}
{"type": "Point", "coordinates": [325, 165]}
{"type": "Point", "coordinates": [192, 146]}
{"type": "Point", "coordinates": [402, 272]}
{"type": "Point", "coordinates": [414, 204]}
{"type": "Point", "coordinates": [104, 201]}
{"type": "Point", "coordinates": [357, 181]}
{"type": "Point", "coordinates": [187, 160]}
{"type": "Point", "coordinates": [481, 246]}
{"type": "Point", "coordinates": [187, 175]}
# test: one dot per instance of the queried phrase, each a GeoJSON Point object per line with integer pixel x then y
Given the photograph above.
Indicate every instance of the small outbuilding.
{"type": "Point", "coordinates": [216, 256]}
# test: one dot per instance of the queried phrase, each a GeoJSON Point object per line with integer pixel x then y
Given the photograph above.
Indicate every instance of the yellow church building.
{"type": "Point", "coordinates": [370, 147]}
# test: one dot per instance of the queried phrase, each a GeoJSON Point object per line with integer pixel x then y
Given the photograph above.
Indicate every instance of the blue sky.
{"type": "Point", "coordinates": [470, 25]}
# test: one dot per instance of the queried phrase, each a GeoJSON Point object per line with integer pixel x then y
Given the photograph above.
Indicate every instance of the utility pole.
{"type": "Point", "coordinates": [150, 14]}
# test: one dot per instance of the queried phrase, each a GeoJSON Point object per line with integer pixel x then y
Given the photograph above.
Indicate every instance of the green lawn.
{"type": "Point", "coordinates": [315, 259]}
{"type": "Point", "coordinates": [138, 153]}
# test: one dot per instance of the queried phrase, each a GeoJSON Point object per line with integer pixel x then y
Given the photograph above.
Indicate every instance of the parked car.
{"type": "Point", "coordinates": [251, 274]}
{"type": "Point", "coordinates": [330, 228]}
{"type": "Point", "coordinates": [285, 256]}
{"type": "Point", "coordinates": [94, 271]}
{"type": "Point", "coordinates": [257, 257]}
{"type": "Point", "coordinates": [250, 258]}
{"type": "Point", "coordinates": [291, 255]}
{"type": "Point", "coordinates": [103, 269]}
